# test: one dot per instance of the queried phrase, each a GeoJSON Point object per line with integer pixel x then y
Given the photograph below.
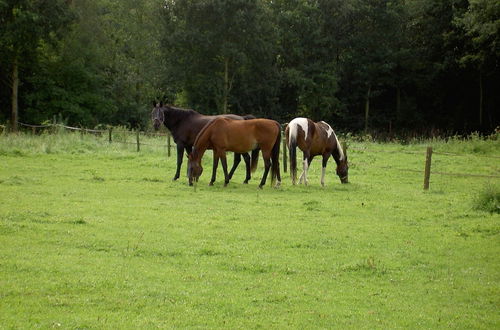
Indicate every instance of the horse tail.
{"type": "Point", "coordinates": [275, 156]}
{"type": "Point", "coordinates": [291, 132]}
{"type": "Point", "coordinates": [255, 159]}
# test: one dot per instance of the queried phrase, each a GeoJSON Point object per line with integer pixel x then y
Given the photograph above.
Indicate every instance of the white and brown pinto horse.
{"type": "Point", "coordinates": [314, 139]}
{"type": "Point", "coordinates": [239, 136]}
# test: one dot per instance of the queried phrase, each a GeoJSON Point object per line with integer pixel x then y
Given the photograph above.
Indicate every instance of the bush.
{"type": "Point", "coordinates": [488, 199]}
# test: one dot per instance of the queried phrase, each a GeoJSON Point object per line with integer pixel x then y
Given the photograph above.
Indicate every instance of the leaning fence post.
{"type": "Point", "coordinates": [284, 155]}
{"type": "Point", "coordinates": [110, 134]}
{"type": "Point", "coordinates": [168, 144]}
{"type": "Point", "coordinates": [427, 174]}
{"type": "Point", "coordinates": [138, 144]}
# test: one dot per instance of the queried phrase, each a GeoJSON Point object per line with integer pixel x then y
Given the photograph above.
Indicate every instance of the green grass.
{"type": "Point", "coordinates": [94, 235]}
{"type": "Point", "coordinates": [489, 199]}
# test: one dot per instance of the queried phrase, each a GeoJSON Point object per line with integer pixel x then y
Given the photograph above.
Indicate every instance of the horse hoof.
{"type": "Point", "coordinates": [211, 184]}
{"type": "Point", "coordinates": [245, 182]}
{"type": "Point", "coordinates": [260, 186]}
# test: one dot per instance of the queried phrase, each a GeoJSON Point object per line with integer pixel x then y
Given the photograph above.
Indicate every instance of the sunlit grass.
{"type": "Point", "coordinates": [96, 235]}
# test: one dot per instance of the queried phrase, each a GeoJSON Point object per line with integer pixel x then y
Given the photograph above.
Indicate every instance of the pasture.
{"type": "Point", "coordinates": [96, 235]}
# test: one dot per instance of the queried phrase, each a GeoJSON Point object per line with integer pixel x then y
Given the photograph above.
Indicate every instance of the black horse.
{"type": "Point", "coordinates": [185, 124]}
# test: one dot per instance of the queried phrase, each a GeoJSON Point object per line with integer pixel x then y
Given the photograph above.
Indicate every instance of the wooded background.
{"type": "Point", "coordinates": [361, 65]}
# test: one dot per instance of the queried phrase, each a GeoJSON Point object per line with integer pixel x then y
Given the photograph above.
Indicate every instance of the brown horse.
{"type": "Point", "coordinates": [314, 139]}
{"type": "Point", "coordinates": [240, 136]}
{"type": "Point", "coordinates": [185, 124]}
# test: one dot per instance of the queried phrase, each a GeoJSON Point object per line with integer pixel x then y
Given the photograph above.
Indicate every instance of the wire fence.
{"type": "Point", "coordinates": [426, 170]}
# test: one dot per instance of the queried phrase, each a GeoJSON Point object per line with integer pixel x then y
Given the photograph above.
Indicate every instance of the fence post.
{"type": "Point", "coordinates": [284, 155]}
{"type": "Point", "coordinates": [138, 144]}
{"type": "Point", "coordinates": [427, 174]}
{"type": "Point", "coordinates": [168, 144]}
{"type": "Point", "coordinates": [110, 134]}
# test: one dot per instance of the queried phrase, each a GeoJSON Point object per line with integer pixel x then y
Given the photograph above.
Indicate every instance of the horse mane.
{"type": "Point", "coordinates": [202, 131]}
{"type": "Point", "coordinates": [340, 151]}
{"type": "Point", "coordinates": [180, 111]}
{"type": "Point", "coordinates": [175, 115]}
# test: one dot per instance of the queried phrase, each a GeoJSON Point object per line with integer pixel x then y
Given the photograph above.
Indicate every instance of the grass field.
{"type": "Point", "coordinates": [94, 235]}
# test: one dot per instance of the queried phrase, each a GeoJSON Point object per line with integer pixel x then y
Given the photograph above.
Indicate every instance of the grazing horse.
{"type": "Point", "coordinates": [185, 124]}
{"type": "Point", "coordinates": [314, 139]}
{"type": "Point", "coordinates": [240, 136]}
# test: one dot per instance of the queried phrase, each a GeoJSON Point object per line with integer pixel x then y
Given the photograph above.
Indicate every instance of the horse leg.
{"type": "Point", "coordinates": [323, 169]}
{"type": "Point", "coordinates": [267, 166]}
{"type": "Point", "coordinates": [309, 160]}
{"type": "Point", "coordinates": [246, 157]}
{"type": "Point", "coordinates": [301, 177]}
{"type": "Point", "coordinates": [180, 154]}
{"type": "Point", "coordinates": [237, 160]}
{"type": "Point", "coordinates": [214, 169]}
{"type": "Point", "coordinates": [305, 162]}
{"type": "Point", "coordinates": [224, 168]}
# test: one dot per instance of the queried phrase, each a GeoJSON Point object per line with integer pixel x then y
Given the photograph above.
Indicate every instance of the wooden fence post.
{"type": "Point", "coordinates": [110, 134]}
{"type": "Point", "coordinates": [168, 144]}
{"type": "Point", "coordinates": [138, 144]}
{"type": "Point", "coordinates": [284, 155]}
{"type": "Point", "coordinates": [427, 174]}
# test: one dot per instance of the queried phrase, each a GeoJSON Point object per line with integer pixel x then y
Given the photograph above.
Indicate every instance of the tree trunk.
{"type": "Point", "coordinates": [398, 103]}
{"type": "Point", "coordinates": [226, 85]}
{"type": "Point", "coordinates": [480, 99]}
{"type": "Point", "coordinates": [15, 88]}
{"type": "Point", "coordinates": [367, 107]}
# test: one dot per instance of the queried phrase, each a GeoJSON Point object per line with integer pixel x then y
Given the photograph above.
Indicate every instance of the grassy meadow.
{"type": "Point", "coordinates": [96, 235]}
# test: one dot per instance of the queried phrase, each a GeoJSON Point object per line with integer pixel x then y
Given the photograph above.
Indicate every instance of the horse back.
{"type": "Point", "coordinates": [323, 139]}
{"type": "Point", "coordinates": [186, 127]}
{"type": "Point", "coordinates": [243, 135]}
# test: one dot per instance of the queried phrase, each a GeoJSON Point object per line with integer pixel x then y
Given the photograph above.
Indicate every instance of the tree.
{"type": "Point", "coordinates": [26, 24]}
{"type": "Point", "coordinates": [211, 45]}
{"type": "Point", "coordinates": [481, 23]}
{"type": "Point", "coordinates": [308, 56]}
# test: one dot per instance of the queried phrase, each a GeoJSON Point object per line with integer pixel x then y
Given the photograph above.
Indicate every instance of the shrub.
{"type": "Point", "coordinates": [488, 199]}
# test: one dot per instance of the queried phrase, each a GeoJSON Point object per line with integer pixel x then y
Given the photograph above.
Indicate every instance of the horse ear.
{"type": "Point", "coordinates": [161, 104]}
{"type": "Point", "coordinates": [154, 104]}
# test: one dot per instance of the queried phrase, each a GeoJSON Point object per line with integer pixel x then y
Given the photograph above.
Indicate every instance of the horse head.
{"type": "Point", "coordinates": [343, 170]}
{"type": "Point", "coordinates": [194, 167]}
{"type": "Point", "coordinates": [157, 115]}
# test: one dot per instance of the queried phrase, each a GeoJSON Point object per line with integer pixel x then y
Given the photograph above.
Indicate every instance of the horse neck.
{"type": "Point", "coordinates": [201, 142]}
{"type": "Point", "coordinates": [174, 116]}
{"type": "Point", "coordinates": [338, 153]}
{"type": "Point", "coordinates": [336, 156]}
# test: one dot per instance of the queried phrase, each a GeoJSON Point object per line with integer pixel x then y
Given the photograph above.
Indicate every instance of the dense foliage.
{"type": "Point", "coordinates": [361, 64]}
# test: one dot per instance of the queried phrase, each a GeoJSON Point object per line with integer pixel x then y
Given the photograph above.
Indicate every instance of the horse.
{"type": "Point", "coordinates": [240, 136]}
{"type": "Point", "coordinates": [314, 139]}
{"type": "Point", "coordinates": [185, 124]}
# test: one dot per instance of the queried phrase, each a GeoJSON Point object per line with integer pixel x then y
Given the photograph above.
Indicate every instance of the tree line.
{"type": "Point", "coordinates": [362, 65]}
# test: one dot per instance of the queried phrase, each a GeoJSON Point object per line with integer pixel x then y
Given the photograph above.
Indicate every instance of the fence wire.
{"type": "Point", "coordinates": [138, 143]}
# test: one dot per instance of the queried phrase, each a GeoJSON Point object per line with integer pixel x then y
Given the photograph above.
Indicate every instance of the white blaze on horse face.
{"type": "Point", "coordinates": [303, 123]}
